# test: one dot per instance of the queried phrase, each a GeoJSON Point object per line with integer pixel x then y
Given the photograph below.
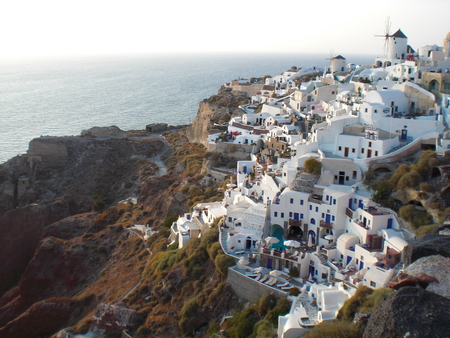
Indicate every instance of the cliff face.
{"type": "Point", "coordinates": [21, 229]}
{"type": "Point", "coordinates": [64, 173]}
{"type": "Point", "coordinates": [217, 109]}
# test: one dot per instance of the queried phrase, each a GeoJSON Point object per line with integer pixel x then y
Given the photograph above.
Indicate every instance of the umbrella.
{"type": "Point", "coordinates": [261, 270]}
{"type": "Point", "coordinates": [272, 240]}
{"type": "Point", "coordinates": [243, 261]}
{"type": "Point", "coordinates": [275, 273]}
{"type": "Point", "coordinates": [310, 241]}
{"type": "Point", "coordinates": [292, 243]}
{"type": "Point", "coordinates": [330, 237]}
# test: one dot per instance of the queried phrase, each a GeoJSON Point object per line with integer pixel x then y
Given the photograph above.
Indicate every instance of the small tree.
{"type": "Point", "coordinates": [313, 166]}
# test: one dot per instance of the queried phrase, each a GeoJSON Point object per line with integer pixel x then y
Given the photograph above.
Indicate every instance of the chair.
{"type": "Point", "coordinates": [274, 281]}
{"type": "Point", "coordinates": [258, 277]}
{"type": "Point", "coordinates": [262, 280]}
{"type": "Point", "coordinates": [270, 280]}
{"type": "Point", "coordinates": [282, 284]}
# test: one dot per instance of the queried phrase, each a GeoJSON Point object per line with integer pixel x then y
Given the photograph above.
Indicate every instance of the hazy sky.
{"type": "Point", "coordinates": [47, 27]}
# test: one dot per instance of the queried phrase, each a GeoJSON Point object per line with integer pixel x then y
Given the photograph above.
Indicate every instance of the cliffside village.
{"type": "Point", "coordinates": [321, 232]}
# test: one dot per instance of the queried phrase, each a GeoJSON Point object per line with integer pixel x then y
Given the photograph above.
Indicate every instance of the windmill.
{"type": "Point", "coordinates": [387, 35]}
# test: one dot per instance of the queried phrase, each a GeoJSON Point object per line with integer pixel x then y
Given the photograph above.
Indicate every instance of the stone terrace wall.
{"type": "Point", "coordinates": [246, 288]}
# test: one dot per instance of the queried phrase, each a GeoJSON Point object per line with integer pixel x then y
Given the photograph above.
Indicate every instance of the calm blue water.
{"type": "Point", "coordinates": [63, 96]}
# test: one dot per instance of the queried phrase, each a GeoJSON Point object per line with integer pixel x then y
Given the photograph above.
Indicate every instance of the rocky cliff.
{"type": "Point", "coordinates": [216, 110]}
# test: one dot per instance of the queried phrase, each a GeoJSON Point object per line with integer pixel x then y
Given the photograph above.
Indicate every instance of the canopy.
{"type": "Point", "coordinates": [272, 240]}
{"type": "Point", "coordinates": [292, 243]}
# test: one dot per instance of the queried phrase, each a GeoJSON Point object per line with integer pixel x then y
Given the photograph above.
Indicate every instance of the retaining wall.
{"type": "Point", "coordinates": [249, 289]}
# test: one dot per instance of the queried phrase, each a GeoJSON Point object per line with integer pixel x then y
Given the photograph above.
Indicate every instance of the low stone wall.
{"type": "Point", "coordinates": [248, 289]}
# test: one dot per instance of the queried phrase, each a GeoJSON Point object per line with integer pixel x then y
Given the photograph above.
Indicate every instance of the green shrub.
{"type": "Point", "coordinates": [283, 306]}
{"type": "Point", "coordinates": [294, 291]}
{"type": "Point", "coordinates": [312, 166]}
{"type": "Point", "coordinates": [426, 187]}
{"type": "Point", "coordinates": [372, 300]}
{"type": "Point", "coordinates": [266, 303]}
{"type": "Point", "coordinates": [425, 229]}
{"type": "Point", "coordinates": [263, 329]}
{"type": "Point", "coordinates": [223, 262]}
{"type": "Point", "coordinates": [294, 272]}
{"type": "Point", "coordinates": [169, 220]}
{"type": "Point", "coordinates": [409, 180]}
{"type": "Point", "coordinates": [184, 189]}
{"type": "Point", "coordinates": [335, 329]}
{"type": "Point", "coordinates": [354, 303]}
{"type": "Point", "coordinates": [414, 216]}
{"type": "Point", "coordinates": [214, 250]}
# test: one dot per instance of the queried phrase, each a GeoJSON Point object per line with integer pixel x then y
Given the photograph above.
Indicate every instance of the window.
{"type": "Point", "coordinates": [376, 152]}
{"type": "Point", "coordinates": [362, 150]}
{"type": "Point", "coordinates": [301, 216]}
{"type": "Point", "coordinates": [327, 197]}
{"type": "Point", "coordinates": [332, 218]}
{"type": "Point", "coordinates": [370, 144]}
{"type": "Point", "coordinates": [362, 258]}
{"type": "Point", "coordinates": [340, 148]}
{"type": "Point", "coordinates": [342, 256]}
{"type": "Point", "coordinates": [291, 201]}
{"type": "Point", "coordinates": [301, 202]}
{"type": "Point", "coordinates": [311, 263]}
{"type": "Point", "coordinates": [290, 214]}
{"type": "Point", "coordinates": [275, 214]}
{"type": "Point", "coordinates": [282, 215]}
{"type": "Point", "coordinates": [323, 215]}
{"type": "Point", "coordinates": [354, 174]}
{"type": "Point", "coordinates": [373, 284]}
{"type": "Point", "coordinates": [317, 209]}
{"type": "Point", "coordinates": [310, 207]}
{"type": "Point", "coordinates": [230, 219]}
{"type": "Point", "coordinates": [353, 150]}
{"type": "Point", "coordinates": [366, 110]}
{"type": "Point", "coordinates": [346, 178]}
{"type": "Point", "coordinates": [375, 111]}
{"type": "Point", "coordinates": [334, 201]}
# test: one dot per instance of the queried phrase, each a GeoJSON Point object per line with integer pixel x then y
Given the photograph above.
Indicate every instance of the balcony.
{"type": "Point", "coordinates": [315, 199]}
{"type": "Point", "coordinates": [326, 225]}
{"type": "Point", "coordinates": [349, 212]}
{"type": "Point", "coordinates": [295, 223]}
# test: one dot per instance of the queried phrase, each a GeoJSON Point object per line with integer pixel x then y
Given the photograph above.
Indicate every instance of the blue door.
{"type": "Point", "coordinates": [244, 169]}
{"type": "Point", "coordinates": [389, 225]}
{"type": "Point", "coordinates": [296, 216]}
{"type": "Point", "coordinates": [361, 265]}
{"type": "Point", "coordinates": [328, 218]}
{"type": "Point", "coordinates": [269, 263]}
{"type": "Point", "coordinates": [404, 136]}
{"type": "Point", "coordinates": [361, 205]}
{"type": "Point", "coordinates": [349, 258]}
{"type": "Point", "coordinates": [350, 203]}
{"type": "Point", "coordinates": [311, 270]}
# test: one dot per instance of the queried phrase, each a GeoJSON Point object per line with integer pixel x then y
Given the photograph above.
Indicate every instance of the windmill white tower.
{"type": "Point", "coordinates": [337, 63]}
{"type": "Point", "coordinates": [395, 45]}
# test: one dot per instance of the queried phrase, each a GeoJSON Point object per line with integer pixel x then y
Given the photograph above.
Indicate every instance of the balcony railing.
{"type": "Point", "coordinates": [324, 224]}
{"type": "Point", "coordinates": [349, 212]}
{"type": "Point", "coordinates": [296, 223]}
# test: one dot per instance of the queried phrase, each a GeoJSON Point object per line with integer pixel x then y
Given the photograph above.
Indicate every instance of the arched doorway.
{"type": "Point", "coordinates": [433, 85]}
{"type": "Point", "coordinates": [312, 234]}
{"type": "Point", "coordinates": [295, 232]}
{"type": "Point", "coordinates": [278, 232]}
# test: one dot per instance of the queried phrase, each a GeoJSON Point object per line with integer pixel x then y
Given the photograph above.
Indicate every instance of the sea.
{"type": "Point", "coordinates": [61, 96]}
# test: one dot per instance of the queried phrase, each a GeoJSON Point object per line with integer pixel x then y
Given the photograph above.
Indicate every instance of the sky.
{"type": "Point", "coordinates": [66, 27]}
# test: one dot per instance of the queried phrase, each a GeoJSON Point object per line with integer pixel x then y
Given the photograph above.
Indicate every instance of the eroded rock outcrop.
{"type": "Point", "coordinates": [427, 245]}
{"type": "Point", "coordinates": [410, 312]}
